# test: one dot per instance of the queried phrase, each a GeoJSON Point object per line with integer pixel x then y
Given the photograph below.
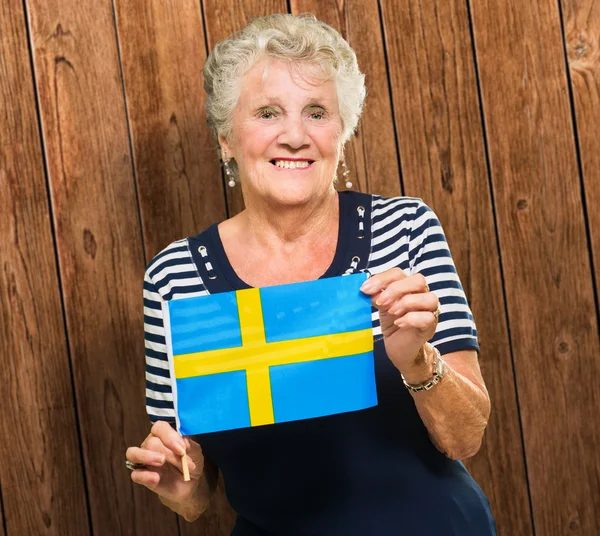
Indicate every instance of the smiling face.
{"type": "Point", "coordinates": [285, 135]}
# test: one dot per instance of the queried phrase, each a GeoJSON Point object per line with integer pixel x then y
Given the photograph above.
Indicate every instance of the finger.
{"type": "Point", "coordinates": [147, 478]}
{"type": "Point", "coordinates": [415, 284]}
{"type": "Point", "coordinates": [156, 445]}
{"type": "Point", "coordinates": [145, 456]}
{"type": "Point", "coordinates": [177, 461]}
{"type": "Point", "coordinates": [414, 302]}
{"type": "Point", "coordinates": [420, 320]}
{"type": "Point", "coordinates": [188, 448]}
{"type": "Point", "coordinates": [169, 437]}
{"type": "Point", "coordinates": [380, 281]}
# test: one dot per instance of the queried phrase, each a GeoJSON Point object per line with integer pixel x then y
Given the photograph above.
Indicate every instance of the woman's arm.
{"type": "Point", "coordinates": [457, 409]}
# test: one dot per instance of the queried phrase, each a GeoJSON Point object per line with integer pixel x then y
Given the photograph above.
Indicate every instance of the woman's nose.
{"type": "Point", "coordinates": [293, 132]}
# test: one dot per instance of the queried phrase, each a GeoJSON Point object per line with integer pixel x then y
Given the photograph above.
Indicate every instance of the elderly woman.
{"type": "Point", "coordinates": [284, 96]}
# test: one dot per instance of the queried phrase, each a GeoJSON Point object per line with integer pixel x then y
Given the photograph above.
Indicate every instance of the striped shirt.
{"type": "Point", "coordinates": [404, 232]}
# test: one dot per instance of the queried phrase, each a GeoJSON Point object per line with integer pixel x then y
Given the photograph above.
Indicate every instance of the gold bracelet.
{"type": "Point", "coordinates": [438, 373]}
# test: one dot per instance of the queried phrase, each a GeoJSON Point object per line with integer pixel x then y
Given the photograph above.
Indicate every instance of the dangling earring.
{"type": "Point", "coordinates": [345, 173]}
{"type": "Point", "coordinates": [228, 171]}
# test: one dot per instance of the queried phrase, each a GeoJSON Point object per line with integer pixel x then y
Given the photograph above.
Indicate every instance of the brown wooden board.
{"type": "Point", "coordinates": [2, 531]}
{"type": "Point", "coordinates": [222, 18]}
{"type": "Point", "coordinates": [43, 489]}
{"type": "Point", "coordinates": [100, 250]}
{"type": "Point", "coordinates": [548, 283]}
{"type": "Point", "coordinates": [582, 34]}
{"type": "Point", "coordinates": [177, 167]}
{"type": "Point", "coordinates": [371, 154]}
{"type": "Point", "coordinates": [443, 161]}
{"type": "Point", "coordinates": [176, 161]}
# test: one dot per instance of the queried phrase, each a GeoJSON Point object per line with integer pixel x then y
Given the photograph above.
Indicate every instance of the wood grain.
{"type": "Point", "coordinates": [2, 523]}
{"type": "Point", "coordinates": [177, 167]}
{"type": "Point", "coordinates": [443, 161]}
{"type": "Point", "coordinates": [552, 317]}
{"type": "Point", "coordinates": [546, 322]}
{"type": "Point", "coordinates": [222, 18]}
{"type": "Point", "coordinates": [582, 34]}
{"type": "Point", "coordinates": [43, 490]}
{"type": "Point", "coordinates": [100, 251]}
{"type": "Point", "coordinates": [371, 154]}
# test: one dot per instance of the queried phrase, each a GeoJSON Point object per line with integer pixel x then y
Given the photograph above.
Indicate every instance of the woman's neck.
{"type": "Point", "coordinates": [283, 227]}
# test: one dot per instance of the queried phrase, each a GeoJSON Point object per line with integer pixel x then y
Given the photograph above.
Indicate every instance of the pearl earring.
{"type": "Point", "coordinates": [345, 173]}
{"type": "Point", "coordinates": [228, 171]}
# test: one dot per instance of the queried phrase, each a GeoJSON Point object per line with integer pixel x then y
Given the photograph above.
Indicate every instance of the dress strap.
{"type": "Point", "coordinates": [359, 233]}
{"type": "Point", "coordinates": [202, 252]}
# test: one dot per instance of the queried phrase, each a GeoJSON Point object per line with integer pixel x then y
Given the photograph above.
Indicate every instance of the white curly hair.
{"type": "Point", "coordinates": [300, 39]}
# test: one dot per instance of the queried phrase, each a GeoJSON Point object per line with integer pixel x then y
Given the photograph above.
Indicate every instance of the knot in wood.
{"type": "Point", "coordinates": [89, 243]}
{"type": "Point", "coordinates": [583, 49]}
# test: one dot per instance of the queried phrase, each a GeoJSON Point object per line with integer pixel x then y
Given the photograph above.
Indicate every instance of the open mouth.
{"type": "Point", "coordinates": [292, 164]}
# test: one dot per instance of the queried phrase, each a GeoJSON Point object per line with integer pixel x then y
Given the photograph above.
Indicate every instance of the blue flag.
{"type": "Point", "coordinates": [275, 354]}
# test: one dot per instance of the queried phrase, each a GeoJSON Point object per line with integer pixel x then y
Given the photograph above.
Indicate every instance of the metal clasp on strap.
{"type": "Point", "coordinates": [353, 266]}
{"type": "Point", "coordinates": [204, 253]}
{"type": "Point", "coordinates": [361, 222]}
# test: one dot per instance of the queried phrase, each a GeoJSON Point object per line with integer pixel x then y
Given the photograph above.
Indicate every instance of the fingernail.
{"type": "Point", "coordinates": [367, 286]}
{"type": "Point", "coordinates": [160, 459]}
{"type": "Point", "coordinates": [181, 448]}
{"type": "Point", "coordinates": [382, 300]}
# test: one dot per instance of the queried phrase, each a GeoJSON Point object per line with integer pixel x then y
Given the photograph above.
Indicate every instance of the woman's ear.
{"type": "Point", "coordinates": [225, 147]}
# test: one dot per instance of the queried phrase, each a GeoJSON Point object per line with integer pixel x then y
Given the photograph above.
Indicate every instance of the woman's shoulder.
{"type": "Point", "coordinates": [386, 205]}
{"type": "Point", "coordinates": [171, 268]}
{"type": "Point", "coordinates": [383, 206]}
{"type": "Point", "coordinates": [172, 253]}
{"type": "Point", "coordinates": [399, 226]}
{"type": "Point", "coordinates": [398, 212]}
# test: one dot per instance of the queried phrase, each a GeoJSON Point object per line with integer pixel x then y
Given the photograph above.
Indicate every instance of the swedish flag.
{"type": "Point", "coordinates": [275, 354]}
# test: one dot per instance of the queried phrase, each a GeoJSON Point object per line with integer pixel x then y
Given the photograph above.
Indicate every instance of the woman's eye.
{"type": "Point", "coordinates": [267, 114]}
{"type": "Point", "coordinates": [317, 115]}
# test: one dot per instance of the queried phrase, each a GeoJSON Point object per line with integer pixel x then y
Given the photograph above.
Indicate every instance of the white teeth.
{"type": "Point", "coordinates": [292, 164]}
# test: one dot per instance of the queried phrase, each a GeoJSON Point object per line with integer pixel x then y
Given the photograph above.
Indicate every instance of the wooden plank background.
{"type": "Point", "coordinates": [488, 110]}
{"type": "Point", "coordinates": [43, 484]}
{"type": "Point", "coordinates": [438, 124]}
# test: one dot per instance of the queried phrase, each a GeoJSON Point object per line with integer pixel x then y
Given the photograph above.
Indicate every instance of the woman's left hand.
{"type": "Point", "coordinates": [406, 312]}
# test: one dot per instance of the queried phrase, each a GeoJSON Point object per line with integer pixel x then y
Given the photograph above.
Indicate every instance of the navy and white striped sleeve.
{"type": "Point", "coordinates": [429, 255]}
{"type": "Point", "coordinates": [159, 396]}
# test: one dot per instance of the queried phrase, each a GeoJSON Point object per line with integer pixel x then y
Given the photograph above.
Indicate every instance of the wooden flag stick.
{"type": "Point", "coordinates": [184, 465]}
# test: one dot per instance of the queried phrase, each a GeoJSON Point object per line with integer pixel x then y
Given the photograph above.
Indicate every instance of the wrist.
{"type": "Point", "coordinates": [191, 507]}
{"type": "Point", "coordinates": [420, 369]}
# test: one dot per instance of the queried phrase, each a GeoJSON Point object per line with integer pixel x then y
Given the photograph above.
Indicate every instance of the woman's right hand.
{"type": "Point", "coordinates": [161, 453]}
